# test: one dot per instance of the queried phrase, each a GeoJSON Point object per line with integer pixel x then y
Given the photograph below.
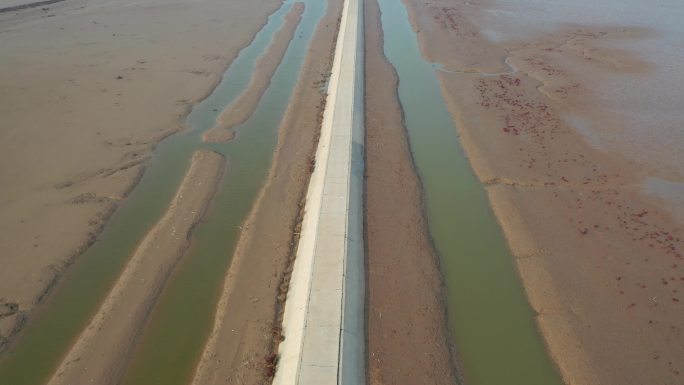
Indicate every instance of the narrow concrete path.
{"type": "Point", "coordinates": [324, 313]}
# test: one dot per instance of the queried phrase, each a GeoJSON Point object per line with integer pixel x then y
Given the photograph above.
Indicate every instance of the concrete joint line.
{"type": "Point", "coordinates": [323, 322]}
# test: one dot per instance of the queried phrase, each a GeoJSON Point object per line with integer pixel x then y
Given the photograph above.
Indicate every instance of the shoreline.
{"type": "Point", "coordinates": [403, 269]}
{"type": "Point", "coordinates": [102, 350]}
{"type": "Point", "coordinates": [238, 111]}
{"type": "Point", "coordinates": [580, 271]}
{"type": "Point", "coordinates": [108, 186]}
{"type": "Point", "coordinates": [257, 304]}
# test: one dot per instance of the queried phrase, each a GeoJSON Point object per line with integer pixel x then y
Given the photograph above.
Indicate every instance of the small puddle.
{"type": "Point", "coordinates": [493, 325]}
{"type": "Point", "coordinates": [670, 193]}
{"type": "Point", "coordinates": [181, 320]}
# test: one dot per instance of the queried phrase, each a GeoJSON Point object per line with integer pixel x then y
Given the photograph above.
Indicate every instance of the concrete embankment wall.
{"type": "Point", "coordinates": [324, 313]}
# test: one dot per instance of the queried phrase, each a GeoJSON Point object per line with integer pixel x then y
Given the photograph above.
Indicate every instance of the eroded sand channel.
{"type": "Point", "coordinates": [568, 110]}
{"type": "Point", "coordinates": [493, 325]}
{"type": "Point", "coordinates": [182, 321]}
{"type": "Point", "coordinates": [184, 310]}
{"type": "Point", "coordinates": [243, 107]}
{"type": "Point", "coordinates": [117, 324]}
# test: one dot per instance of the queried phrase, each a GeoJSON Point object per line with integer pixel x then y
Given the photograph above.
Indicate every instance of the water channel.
{"type": "Point", "coordinates": [182, 318]}
{"type": "Point", "coordinates": [492, 323]}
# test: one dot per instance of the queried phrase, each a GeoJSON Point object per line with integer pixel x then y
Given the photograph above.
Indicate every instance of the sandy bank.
{"type": "Point", "coordinates": [244, 339]}
{"type": "Point", "coordinates": [101, 352]}
{"type": "Point", "coordinates": [243, 107]}
{"type": "Point", "coordinates": [19, 5]}
{"type": "Point", "coordinates": [88, 89]}
{"type": "Point", "coordinates": [599, 259]}
{"type": "Point", "coordinates": [404, 347]}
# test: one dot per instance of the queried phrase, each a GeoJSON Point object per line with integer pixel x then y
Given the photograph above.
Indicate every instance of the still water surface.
{"type": "Point", "coordinates": [492, 323]}
{"type": "Point", "coordinates": [180, 322]}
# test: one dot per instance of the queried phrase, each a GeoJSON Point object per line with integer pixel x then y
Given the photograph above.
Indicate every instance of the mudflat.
{"type": "Point", "coordinates": [580, 170]}
{"type": "Point", "coordinates": [89, 88]}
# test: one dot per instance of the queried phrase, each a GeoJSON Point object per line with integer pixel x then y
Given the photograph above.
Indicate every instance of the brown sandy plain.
{"type": "Point", "coordinates": [601, 260]}
{"type": "Point", "coordinates": [243, 344]}
{"type": "Point", "coordinates": [404, 346]}
{"type": "Point", "coordinates": [87, 88]}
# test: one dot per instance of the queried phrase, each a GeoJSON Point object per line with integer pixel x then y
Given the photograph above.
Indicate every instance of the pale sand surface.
{"type": "Point", "coordinates": [246, 333]}
{"type": "Point", "coordinates": [407, 331]}
{"type": "Point", "coordinates": [243, 107]}
{"type": "Point", "coordinates": [84, 97]}
{"type": "Point", "coordinates": [572, 116]}
{"type": "Point", "coordinates": [101, 353]}
{"type": "Point", "coordinates": [12, 3]}
{"type": "Point", "coordinates": [4, 4]}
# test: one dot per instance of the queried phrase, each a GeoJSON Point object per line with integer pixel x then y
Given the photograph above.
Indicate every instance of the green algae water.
{"type": "Point", "coordinates": [180, 323]}
{"type": "Point", "coordinates": [182, 318]}
{"type": "Point", "coordinates": [492, 323]}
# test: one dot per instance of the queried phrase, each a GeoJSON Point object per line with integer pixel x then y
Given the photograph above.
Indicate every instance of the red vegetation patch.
{"type": "Point", "coordinates": [450, 18]}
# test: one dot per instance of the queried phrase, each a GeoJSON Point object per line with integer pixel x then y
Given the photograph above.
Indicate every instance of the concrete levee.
{"type": "Point", "coordinates": [324, 312]}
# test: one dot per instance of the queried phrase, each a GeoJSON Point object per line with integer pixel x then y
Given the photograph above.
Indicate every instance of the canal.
{"type": "Point", "coordinates": [493, 325]}
{"type": "Point", "coordinates": [182, 318]}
